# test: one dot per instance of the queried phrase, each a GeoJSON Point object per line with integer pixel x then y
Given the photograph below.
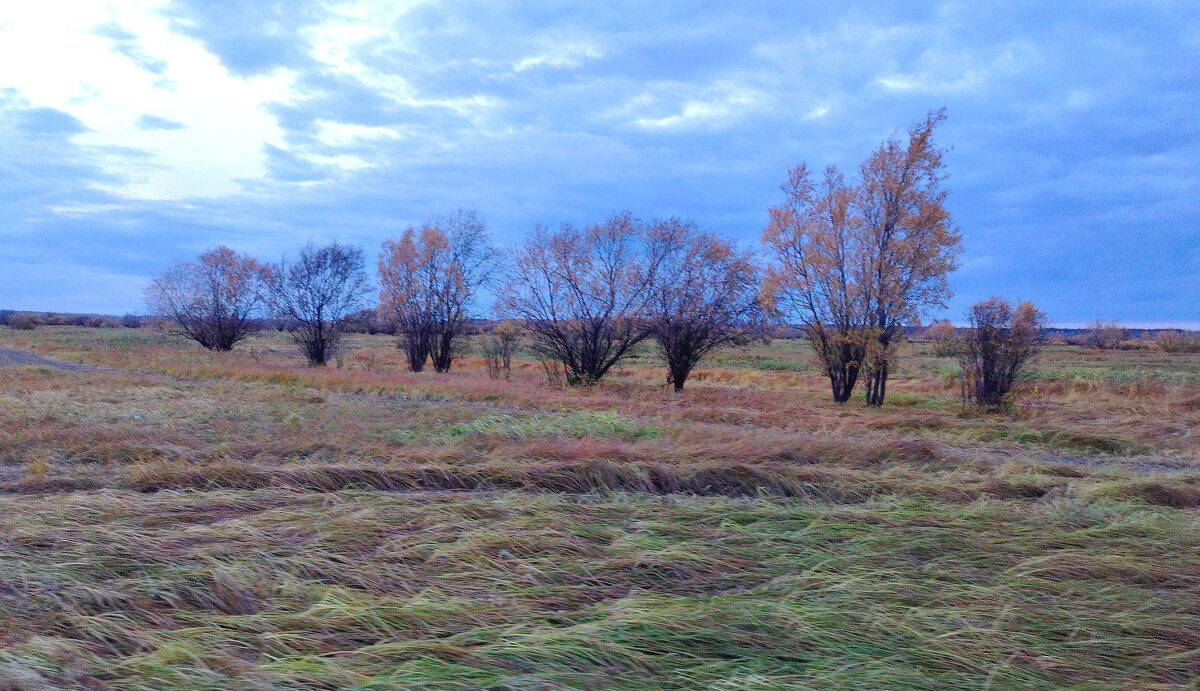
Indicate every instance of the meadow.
{"type": "Point", "coordinates": [175, 518]}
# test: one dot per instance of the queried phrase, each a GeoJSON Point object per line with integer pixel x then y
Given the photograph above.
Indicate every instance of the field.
{"type": "Point", "coordinates": [173, 518]}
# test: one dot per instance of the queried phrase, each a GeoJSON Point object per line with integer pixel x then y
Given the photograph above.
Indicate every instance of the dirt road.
{"type": "Point", "coordinates": [11, 357]}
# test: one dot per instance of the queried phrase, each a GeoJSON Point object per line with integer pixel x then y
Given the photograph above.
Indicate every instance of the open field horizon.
{"type": "Point", "coordinates": [531, 346]}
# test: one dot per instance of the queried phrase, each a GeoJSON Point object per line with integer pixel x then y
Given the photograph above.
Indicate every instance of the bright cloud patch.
{"type": "Point", "coordinates": [570, 55]}
{"type": "Point", "coordinates": [107, 65]}
{"type": "Point", "coordinates": [727, 103]}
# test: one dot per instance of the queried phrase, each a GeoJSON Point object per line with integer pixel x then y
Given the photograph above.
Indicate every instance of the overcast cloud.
{"type": "Point", "coordinates": [137, 133]}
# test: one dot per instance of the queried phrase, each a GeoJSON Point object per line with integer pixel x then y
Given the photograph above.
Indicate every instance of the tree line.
{"type": "Point", "coordinates": [852, 259]}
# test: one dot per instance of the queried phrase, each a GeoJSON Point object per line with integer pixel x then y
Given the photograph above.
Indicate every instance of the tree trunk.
{"type": "Point", "coordinates": [679, 375]}
{"type": "Point", "coordinates": [842, 382]}
{"type": "Point", "coordinates": [877, 384]}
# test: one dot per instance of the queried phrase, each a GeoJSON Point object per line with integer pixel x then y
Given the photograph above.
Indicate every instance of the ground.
{"type": "Point", "coordinates": [173, 518]}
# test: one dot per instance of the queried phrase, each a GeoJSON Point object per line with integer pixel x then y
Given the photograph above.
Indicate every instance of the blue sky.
{"type": "Point", "coordinates": [134, 134]}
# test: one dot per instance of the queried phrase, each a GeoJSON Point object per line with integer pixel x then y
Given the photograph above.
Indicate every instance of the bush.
{"type": "Point", "coordinates": [498, 347]}
{"type": "Point", "coordinates": [23, 322]}
{"type": "Point", "coordinates": [943, 340]}
{"type": "Point", "coordinates": [1178, 342]}
{"type": "Point", "coordinates": [1136, 344]}
{"type": "Point", "coordinates": [1104, 335]}
{"type": "Point", "coordinates": [996, 349]}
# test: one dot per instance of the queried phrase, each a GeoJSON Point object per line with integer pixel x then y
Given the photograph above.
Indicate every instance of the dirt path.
{"type": "Point", "coordinates": [11, 357]}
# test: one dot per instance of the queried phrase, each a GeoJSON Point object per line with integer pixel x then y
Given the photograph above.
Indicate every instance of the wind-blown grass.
{"type": "Point", "coordinates": [274, 588]}
{"type": "Point", "coordinates": [185, 519]}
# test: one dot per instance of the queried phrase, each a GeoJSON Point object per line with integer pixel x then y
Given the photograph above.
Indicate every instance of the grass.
{"type": "Point", "coordinates": [275, 588]}
{"type": "Point", "coordinates": [183, 519]}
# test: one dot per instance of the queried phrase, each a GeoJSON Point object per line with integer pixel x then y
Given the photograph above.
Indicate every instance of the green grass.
{"type": "Point", "coordinates": [367, 590]}
{"type": "Point", "coordinates": [183, 519]}
{"type": "Point", "coordinates": [602, 425]}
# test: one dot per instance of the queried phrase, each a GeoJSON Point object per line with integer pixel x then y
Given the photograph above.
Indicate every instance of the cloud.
{"type": "Point", "coordinates": [140, 132]}
{"type": "Point", "coordinates": [563, 56]}
{"type": "Point", "coordinates": [147, 121]}
{"type": "Point", "coordinates": [722, 108]}
{"type": "Point", "coordinates": [127, 44]}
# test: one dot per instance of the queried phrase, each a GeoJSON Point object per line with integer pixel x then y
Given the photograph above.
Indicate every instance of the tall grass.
{"type": "Point", "coordinates": [190, 520]}
{"type": "Point", "coordinates": [272, 589]}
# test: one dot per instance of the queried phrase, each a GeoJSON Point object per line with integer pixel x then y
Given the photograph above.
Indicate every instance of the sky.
{"type": "Point", "coordinates": [138, 133]}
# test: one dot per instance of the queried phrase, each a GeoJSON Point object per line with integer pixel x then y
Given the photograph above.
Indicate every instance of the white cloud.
{"type": "Point", "coordinates": [957, 70]}
{"type": "Point", "coordinates": [52, 55]}
{"type": "Point", "coordinates": [346, 162]}
{"type": "Point", "coordinates": [728, 102]}
{"type": "Point", "coordinates": [564, 56]}
{"type": "Point", "coordinates": [334, 133]}
{"type": "Point", "coordinates": [817, 112]}
{"type": "Point", "coordinates": [343, 45]}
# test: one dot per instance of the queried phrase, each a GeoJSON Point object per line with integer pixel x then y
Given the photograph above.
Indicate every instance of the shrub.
{"type": "Point", "coordinates": [214, 300]}
{"type": "Point", "coordinates": [943, 339]}
{"type": "Point", "coordinates": [498, 347]}
{"type": "Point", "coordinates": [996, 348]}
{"type": "Point", "coordinates": [581, 294]}
{"type": "Point", "coordinates": [23, 322]}
{"type": "Point", "coordinates": [1178, 342]}
{"type": "Point", "coordinates": [1136, 344]}
{"type": "Point", "coordinates": [1105, 335]}
{"type": "Point", "coordinates": [316, 294]}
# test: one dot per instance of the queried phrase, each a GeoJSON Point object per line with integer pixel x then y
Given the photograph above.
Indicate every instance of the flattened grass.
{"type": "Point", "coordinates": [282, 589]}
{"type": "Point", "coordinates": [241, 521]}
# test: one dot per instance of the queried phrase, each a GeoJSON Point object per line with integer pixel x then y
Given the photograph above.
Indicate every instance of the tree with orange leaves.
{"type": "Point", "coordinates": [214, 300]}
{"type": "Point", "coordinates": [818, 276]}
{"type": "Point", "coordinates": [856, 262]}
{"type": "Point", "coordinates": [911, 240]}
{"type": "Point", "coordinates": [428, 280]}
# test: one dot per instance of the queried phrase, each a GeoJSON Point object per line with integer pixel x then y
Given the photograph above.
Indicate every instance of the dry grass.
{"type": "Point", "coordinates": [186, 519]}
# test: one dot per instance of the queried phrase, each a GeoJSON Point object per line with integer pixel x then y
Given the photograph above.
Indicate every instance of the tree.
{"type": "Point", "coordinates": [214, 300]}
{"type": "Point", "coordinates": [316, 293]}
{"type": "Point", "coordinates": [858, 261]}
{"type": "Point", "coordinates": [429, 279]}
{"type": "Point", "coordinates": [996, 348]}
{"type": "Point", "coordinates": [1105, 335]}
{"type": "Point", "coordinates": [706, 296]}
{"type": "Point", "coordinates": [911, 241]}
{"type": "Point", "coordinates": [581, 293]}
{"type": "Point", "coordinates": [819, 277]}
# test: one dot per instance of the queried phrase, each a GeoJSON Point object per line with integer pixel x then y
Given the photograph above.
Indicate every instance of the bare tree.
{"type": "Point", "coordinates": [996, 348]}
{"type": "Point", "coordinates": [706, 296]}
{"type": "Point", "coordinates": [316, 293]}
{"type": "Point", "coordinates": [819, 276]}
{"type": "Point", "coordinates": [428, 282]}
{"type": "Point", "coordinates": [1105, 335]}
{"type": "Point", "coordinates": [214, 300]}
{"type": "Point", "coordinates": [581, 294]}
